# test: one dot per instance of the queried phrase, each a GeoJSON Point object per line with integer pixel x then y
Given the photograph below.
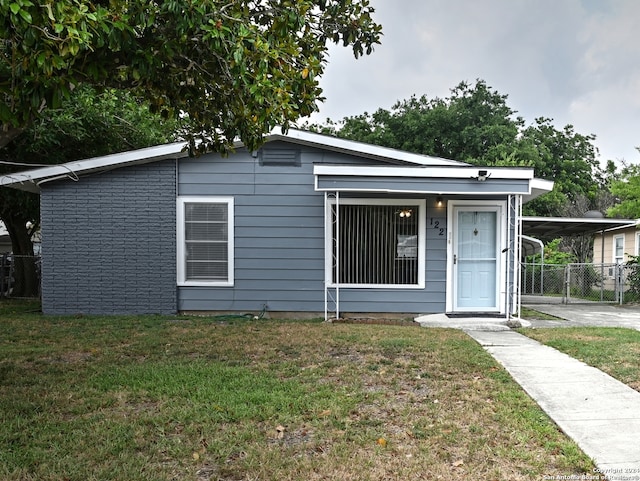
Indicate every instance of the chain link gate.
{"type": "Point", "coordinates": [582, 283]}
{"type": "Point", "coordinates": [12, 283]}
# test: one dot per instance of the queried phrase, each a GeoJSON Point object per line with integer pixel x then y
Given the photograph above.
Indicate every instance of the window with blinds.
{"type": "Point", "coordinates": [618, 249]}
{"type": "Point", "coordinates": [376, 244]}
{"type": "Point", "coordinates": [205, 241]}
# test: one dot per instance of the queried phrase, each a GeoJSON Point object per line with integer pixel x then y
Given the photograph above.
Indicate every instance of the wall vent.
{"type": "Point", "coordinates": [279, 157]}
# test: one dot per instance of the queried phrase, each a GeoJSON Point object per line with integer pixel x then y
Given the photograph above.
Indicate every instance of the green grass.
{"type": "Point", "coordinates": [528, 313]}
{"type": "Point", "coordinates": [615, 351]}
{"type": "Point", "coordinates": [168, 398]}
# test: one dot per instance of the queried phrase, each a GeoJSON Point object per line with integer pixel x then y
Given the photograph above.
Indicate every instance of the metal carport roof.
{"type": "Point", "coordinates": [549, 228]}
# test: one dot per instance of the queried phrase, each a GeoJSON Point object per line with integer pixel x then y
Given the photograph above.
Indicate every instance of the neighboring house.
{"type": "Point", "coordinates": [616, 245]}
{"type": "Point", "coordinates": [309, 224]}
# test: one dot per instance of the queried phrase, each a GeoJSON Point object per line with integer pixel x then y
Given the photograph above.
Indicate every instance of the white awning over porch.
{"type": "Point", "coordinates": [450, 180]}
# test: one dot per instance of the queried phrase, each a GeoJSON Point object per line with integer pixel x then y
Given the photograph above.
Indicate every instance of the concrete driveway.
{"type": "Point", "coordinates": [592, 314]}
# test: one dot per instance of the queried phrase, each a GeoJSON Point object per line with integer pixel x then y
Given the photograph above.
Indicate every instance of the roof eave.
{"type": "Point", "coordinates": [436, 171]}
{"type": "Point", "coordinates": [31, 180]}
{"type": "Point", "coordinates": [538, 187]}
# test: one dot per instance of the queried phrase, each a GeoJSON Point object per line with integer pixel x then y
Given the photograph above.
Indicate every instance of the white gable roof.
{"type": "Point", "coordinates": [30, 180]}
{"type": "Point", "coordinates": [359, 148]}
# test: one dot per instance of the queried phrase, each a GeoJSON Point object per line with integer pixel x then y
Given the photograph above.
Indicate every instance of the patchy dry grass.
{"type": "Point", "coordinates": [530, 314]}
{"type": "Point", "coordinates": [615, 351]}
{"type": "Point", "coordinates": [140, 398]}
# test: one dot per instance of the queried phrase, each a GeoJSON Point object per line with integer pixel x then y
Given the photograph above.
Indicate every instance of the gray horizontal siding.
{"type": "Point", "coordinates": [108, 242]}
{"type": "Point", "coordinates": [274, 255]}
{"type": "Point", "coordinates": [279, 240]}
{"type": "Point", "coordinates": [271, 264]}
{"type": "Point", "coordinates": [301, 232]}
{"type": "Point", "coordinates": [436, 257]}
{"type": "Point", "coordinates": [425, 300]}
{"type": "Point", "coordinates": [269, 243]}
{"type": "Point", "coordinates": [278, 228]}
{"type": "Point", "coordinates": [243, 288]}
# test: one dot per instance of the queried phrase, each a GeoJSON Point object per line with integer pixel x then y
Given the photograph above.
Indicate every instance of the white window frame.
{"type": "Point", "coordinates": [422, 239]}
{"type": "Point", "coordinates": [181, 241]}
{"type": "Point", "coordinates": [637, 244]}
{"type": "Point", "coordinates": [618, 259]}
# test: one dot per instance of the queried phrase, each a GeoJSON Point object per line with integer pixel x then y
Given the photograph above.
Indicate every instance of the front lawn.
{"type": "Point", "coordinates": [162, 398]}
{"type": "Point", "coordinates": [615, 351]}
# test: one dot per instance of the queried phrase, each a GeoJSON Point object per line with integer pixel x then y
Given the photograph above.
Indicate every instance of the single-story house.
{"type": "Point", "coordinates": [309, 224]}
{"type": "Point", "coordinates": [617, 245]}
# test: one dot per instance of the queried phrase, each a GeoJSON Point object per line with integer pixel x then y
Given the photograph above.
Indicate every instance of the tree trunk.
{"type": "Point", "coordinates": [26, 276]}
{"type": "Point", "coordinates": [8, 133]}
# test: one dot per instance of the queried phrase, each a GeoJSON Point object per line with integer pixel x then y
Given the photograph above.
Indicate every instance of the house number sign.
{"type": "Point", "coordinates": [439, 225]}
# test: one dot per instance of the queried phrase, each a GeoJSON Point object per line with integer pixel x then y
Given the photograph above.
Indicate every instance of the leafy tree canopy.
{"type": "Point", "coordinates": [471, 125]}
{"type": "Point", "coordinates": [476, 125]}
{"type": "Point", "coordinates": [626, 189]}
{"type": "Point", "coordinates": [85, 125]}
{"type": "Point", "coordinates": [233, 68]}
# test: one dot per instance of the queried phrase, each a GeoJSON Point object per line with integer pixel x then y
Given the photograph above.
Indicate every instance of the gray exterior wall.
{"type": "Point", "coordinates": [279, 239]}
{"type": "Point", "coordinates": [109, 242]}
{"type": "Point", "coordinates": [279, 233]}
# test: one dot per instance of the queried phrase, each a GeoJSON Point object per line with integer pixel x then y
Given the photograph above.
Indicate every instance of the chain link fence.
{"type": "Point", "coordinates": [19, 276]}
{"type": "Point", "coordinates": [582, 283]}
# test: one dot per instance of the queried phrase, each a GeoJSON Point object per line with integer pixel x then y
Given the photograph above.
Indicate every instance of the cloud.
{"type": "Point", "coordinates": [574, 61]}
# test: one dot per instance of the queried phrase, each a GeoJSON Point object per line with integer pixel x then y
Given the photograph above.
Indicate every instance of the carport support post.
{"type": "Point", "coordinates": [602, 265]}
{"type": "Point", "coordinates": [567, 282]}
{"type": "Point", "coordinates": [542, 272]}
{"type": "Point", "coordinates": [620, 283]}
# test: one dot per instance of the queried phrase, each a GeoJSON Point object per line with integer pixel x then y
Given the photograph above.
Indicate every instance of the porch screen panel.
{"type": "Point", "coordinates": [206, 241]}
{"type": "Point", "coordinates": [376, 245]}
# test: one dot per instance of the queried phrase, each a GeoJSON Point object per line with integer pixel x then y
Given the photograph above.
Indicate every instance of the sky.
{"type": "Point", "coordinates": [574, 61]}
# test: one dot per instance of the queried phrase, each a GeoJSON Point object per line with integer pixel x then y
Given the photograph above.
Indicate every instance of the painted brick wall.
{"type": "Point", "coordinates": [109, 242]}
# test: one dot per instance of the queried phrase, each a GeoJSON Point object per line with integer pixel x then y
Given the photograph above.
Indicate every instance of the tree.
{"type": "Point", "coordinates": [86, 125]}
{"type": "Point", "coordinates": [233, 68]}
{"type": "Point", "coordinates": [569, 158]}
{"type": "Point", "coordinates": [626, 189]}
{"type": "Point", "coordinates": [476, 125]}
{"type": "Point", "coordinates": [471, 125]}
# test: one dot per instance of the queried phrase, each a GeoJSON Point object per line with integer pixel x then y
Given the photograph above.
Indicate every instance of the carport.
{"type": "Point", "coordinates": [560, 284]}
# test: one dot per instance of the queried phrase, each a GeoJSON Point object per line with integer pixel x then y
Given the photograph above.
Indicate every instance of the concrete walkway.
{"type": "Point", "coordinates": [598, 315]}
{"type": "Point", "coordinates": [601, 414]}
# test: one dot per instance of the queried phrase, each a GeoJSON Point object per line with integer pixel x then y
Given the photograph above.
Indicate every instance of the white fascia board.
{"type": "Point", "coordinates": [458, 172]}
{"type": "Point", "coordinates": [352, 147]}
{"type": "Point", "coordinates": [631, 223]}
{"type": "Point", "coordinates": [29, 180]}
{"type": "Point", "coordinates": [538, 187]}
{"type": "Point", "coordinates": [583, 220]}
{"type": "Point", "coordinates": [542, 185]}
{"type": "Point", "coordinates": [432, 191]}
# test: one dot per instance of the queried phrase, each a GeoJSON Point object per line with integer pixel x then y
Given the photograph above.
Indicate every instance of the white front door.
{"type": "Point", "coordinates": [476, 258]}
